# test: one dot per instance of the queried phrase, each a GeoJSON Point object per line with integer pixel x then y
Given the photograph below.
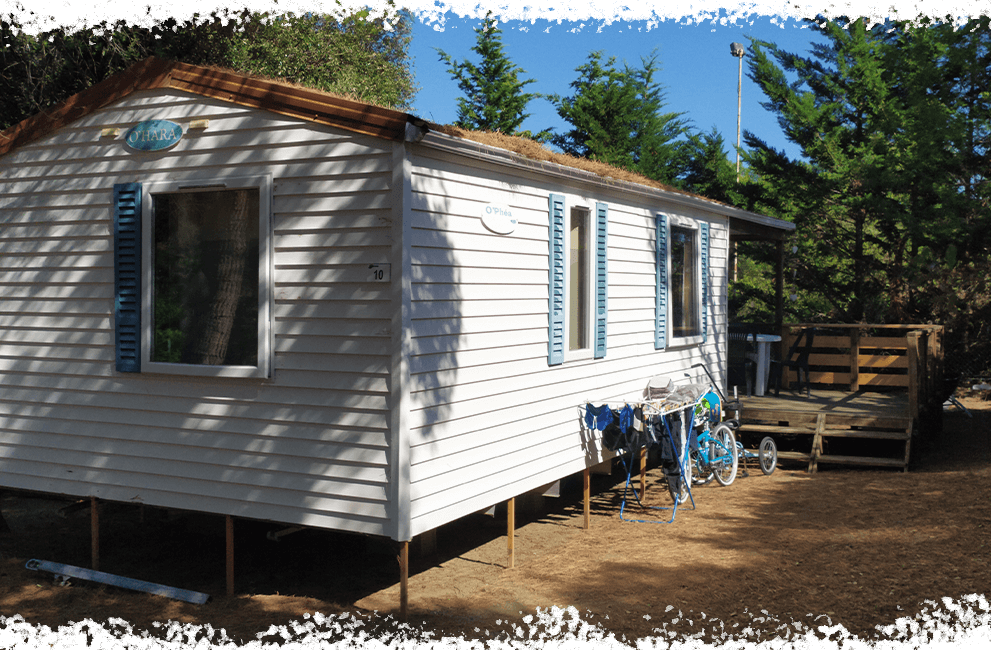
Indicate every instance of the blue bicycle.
{"type": "Point", "coordinates": [715, 456]}
{"type": "Point", "coordinates": [712, 451]}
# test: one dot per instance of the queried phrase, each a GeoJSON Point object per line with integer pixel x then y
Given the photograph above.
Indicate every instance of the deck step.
{"type": "Point", "coordinates": [873, 435]}
{"type": "Point", "coordinates": [860, 460]}
{"type": "Point", "coordinates": [793, 455]}
{"type": "Point", "coordinates": [771, 428]}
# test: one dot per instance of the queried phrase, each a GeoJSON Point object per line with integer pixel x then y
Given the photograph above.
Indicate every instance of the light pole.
{"type": "Point", "coordinates": [737, 50]}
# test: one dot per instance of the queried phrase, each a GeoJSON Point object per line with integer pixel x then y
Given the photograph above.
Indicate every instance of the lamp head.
{"type": "Point", "coordinates": [736, 49]}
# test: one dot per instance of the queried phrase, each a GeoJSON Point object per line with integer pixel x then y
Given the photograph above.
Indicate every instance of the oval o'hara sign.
{"type": "Point", "coordinates": [153, 135]}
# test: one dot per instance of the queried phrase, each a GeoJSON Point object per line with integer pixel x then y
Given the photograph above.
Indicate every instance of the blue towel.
{"type": "Point", "coordinates": [598, 417]}
{"type": "Point", "coordinates": [626, 418]}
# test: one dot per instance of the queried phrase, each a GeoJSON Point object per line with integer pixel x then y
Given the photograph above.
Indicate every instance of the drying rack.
{"type": "Point", "coordinates": [678, 403]}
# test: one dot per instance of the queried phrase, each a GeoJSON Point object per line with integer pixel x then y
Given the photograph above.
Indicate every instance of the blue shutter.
{"type": "Point", "coordinates": [127, 275]}
{"type": "Point", "coordinates": [661, 282]}
{"type": "Point", "coordinates": [601, 277]}
{"type": "Point", "coordinates": [555, 335]}
{"type": "Point", "coordinates": [704, 241]}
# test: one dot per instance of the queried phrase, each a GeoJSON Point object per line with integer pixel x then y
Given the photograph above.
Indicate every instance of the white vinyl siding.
{"type": "Point", "coordinates": [489, 418]}
{"type": "Point", "coordinates": [310, 445]}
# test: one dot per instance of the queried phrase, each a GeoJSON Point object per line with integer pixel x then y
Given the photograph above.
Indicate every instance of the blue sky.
{"type": "Point", "coordinates": [697, 70]}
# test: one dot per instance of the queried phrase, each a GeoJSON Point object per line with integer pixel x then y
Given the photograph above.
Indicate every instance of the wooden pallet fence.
{"type": "Point", "coordinates": [876, 357]}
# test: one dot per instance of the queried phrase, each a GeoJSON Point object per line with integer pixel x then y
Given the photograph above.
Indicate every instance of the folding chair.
{"type": "Point", "coordinates": [796, 359]}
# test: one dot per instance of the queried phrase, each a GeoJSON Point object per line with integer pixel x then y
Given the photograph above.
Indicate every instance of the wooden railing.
{"type": "Point", "coordinates": [876, 357]}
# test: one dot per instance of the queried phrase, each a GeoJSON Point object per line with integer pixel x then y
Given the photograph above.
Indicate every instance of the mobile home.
{"type": "Point", "coordinates": [236, 296]}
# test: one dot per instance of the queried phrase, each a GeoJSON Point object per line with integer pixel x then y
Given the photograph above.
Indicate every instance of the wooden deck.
{"type": "Point", "coordinates": [841, 427]}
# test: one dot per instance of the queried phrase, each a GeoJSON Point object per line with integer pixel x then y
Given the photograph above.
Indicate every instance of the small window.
{"type": "Point", "coordinates": [206, 298]}
{"type": "Point", "coordinates": [685, 290]}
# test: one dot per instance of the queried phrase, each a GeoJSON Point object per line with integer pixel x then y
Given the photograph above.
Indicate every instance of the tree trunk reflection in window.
{"type": "Point", "coordinates": [205, 308]}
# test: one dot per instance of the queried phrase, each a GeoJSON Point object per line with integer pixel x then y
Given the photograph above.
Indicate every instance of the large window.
{"type": "Point", "coordinates": [206, 304]}
{"type": "Point", "coordinates": [684, 283]}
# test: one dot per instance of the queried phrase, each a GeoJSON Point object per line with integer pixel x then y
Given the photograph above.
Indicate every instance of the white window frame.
{"type": "Point", "coordinates": [675, 221]}
{"type": "Point", "coordinates": [261, 182]}
{"type": "Point", "coordinates": [587, 352]}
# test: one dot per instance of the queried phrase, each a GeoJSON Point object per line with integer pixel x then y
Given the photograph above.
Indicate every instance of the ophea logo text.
{"type": "Point", "coordinates": [498, 218]}
{"type": "Point", "coordinates": [153, 135]}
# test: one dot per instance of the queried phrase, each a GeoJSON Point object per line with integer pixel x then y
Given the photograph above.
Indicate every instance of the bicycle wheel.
{"type": "Point", "coordinates": [768, 455]}
{"type": "Point", "coordinates": [679, 487]}
{"type": "Point", "coordinates": [722, 451]}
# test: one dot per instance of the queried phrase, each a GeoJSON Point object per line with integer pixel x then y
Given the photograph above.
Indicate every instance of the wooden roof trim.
{"type": "Point", "coordinates": [146, 74]}
{"type": "Point", "coordinates": [294, 102]}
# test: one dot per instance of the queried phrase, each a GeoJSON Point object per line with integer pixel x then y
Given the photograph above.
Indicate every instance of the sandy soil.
{"type": "Point", "coordinates": [860, 546]}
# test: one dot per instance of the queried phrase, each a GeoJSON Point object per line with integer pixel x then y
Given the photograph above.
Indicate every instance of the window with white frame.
{"type": "Point", "coordinates": [682, 281]}
{"type": "Point", "coordinates": [203, 293]}
{"type": "Point", "coordinates": [578, 291]}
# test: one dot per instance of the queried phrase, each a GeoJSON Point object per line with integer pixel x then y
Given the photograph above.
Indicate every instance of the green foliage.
{"type": "Point", "coordinates": [616, 117]}
{"type": "Point", "coordinates": [841, 113]}
{"type": "Point", "coordinates": [356, 54]}
{"type": "Point", "coordinates": [709, 172]}
{"type": "Point", "coordinates": [493, 97]}
{"type": "Point", "coordinates": [352, 53]}
{"type": "Point", "coordinates": [891, 194]}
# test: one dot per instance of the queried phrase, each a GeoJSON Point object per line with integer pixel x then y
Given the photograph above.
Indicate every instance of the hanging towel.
{"type": "Point", "coordinates": [626, 418]}
{"type": "Point", "coordinates": [598, 417]}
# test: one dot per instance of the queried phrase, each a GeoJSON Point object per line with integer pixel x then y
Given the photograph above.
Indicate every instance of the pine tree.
{"type": "Point", "coordinates": [616, 117]}
{"type": "Point", "coordinates": [709, 172]}
{"type": "Point", "coordinates": [493, 92]}
{"type": "Point", "coordinates": [841, 112]}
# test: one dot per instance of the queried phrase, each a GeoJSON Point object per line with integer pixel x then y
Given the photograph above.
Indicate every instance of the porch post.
{"type": "Point", "coordinates": [94, 532]}
{"type": "Point", "coordinates": [511, 531]}
{"type": "Point", "coordinates": [586, 496]}
{"type": "Point", "coordinates": [229, 553]}
{"type": "Point", "coordinates": [779, 287]}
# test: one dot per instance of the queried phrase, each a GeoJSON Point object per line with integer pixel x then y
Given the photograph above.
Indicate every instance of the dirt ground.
{"type": "Point", "coordinates": [860, 546]}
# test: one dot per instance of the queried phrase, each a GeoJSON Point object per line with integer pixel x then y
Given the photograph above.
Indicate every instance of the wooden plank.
{"type": "Point", "coordinates": [875, 361]}
{"type": "Point", "coordinates": [94, 530]}
{"type": "Point", "coordinates": [403, 581]}
{"type": "Point", "coordinates": [843, 378]}
{"type": "Point", "coordinates": [895, 381]}
{"type": "Point", "coordinates": [793, 455]}
{"type": "Point", "coordinates": [817, 443]}
{"type": "Point", "coordinates": [913, 373]}
{"type": "Point", "coordinates": [908, 443]}
{"type": "Point", "coordinates": [768, 428]}
{"type": "Point", "coordinates": [511, 531]}
{"type": "Point", "coordinates": [884, 342]}
{"type": "Point", "coordinates": [861, 460]}
{"type": "Point", "coordinates": [229, 553]}
{"type": "Point", "coordinates": [866, 342]}
{"type": "Point", "coordinates": [854, 359]}
{"type": "Point", "coordinates": [869, 421]}
{"type": "Point", "coordinates": [643, 472]}
{"type": "Point", "coordinates": [867, 435]}
{"type": "Point", "coordinates": [878, 361]}
{"type": "Point", "coordinates": [586, 497]}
